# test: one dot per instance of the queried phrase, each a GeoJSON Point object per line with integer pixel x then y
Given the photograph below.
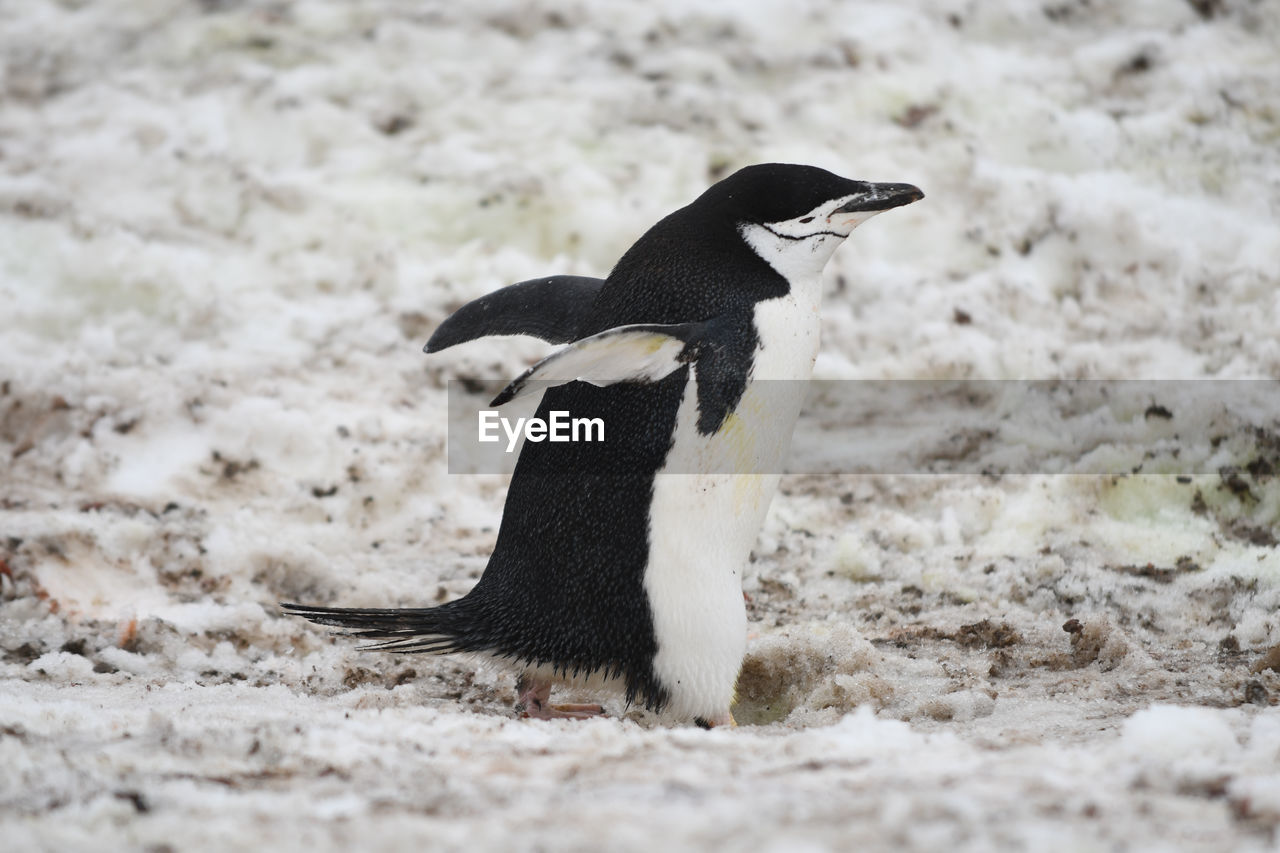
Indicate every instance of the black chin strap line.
{"type": "Point", "coordinates": [802, 236]}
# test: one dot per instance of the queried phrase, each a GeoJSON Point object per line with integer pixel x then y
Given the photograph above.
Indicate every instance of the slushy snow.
{"type": "Point", "coordinates": [229, 227]}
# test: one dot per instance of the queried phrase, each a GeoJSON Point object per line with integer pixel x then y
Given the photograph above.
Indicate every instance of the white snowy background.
{"type": "Point", "coordinates": [227, 228]}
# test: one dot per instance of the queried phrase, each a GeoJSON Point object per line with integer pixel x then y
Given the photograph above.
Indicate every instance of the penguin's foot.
{"type": "Point", "coordinates": [534, 703]}
{"type": "Point", "coordinates": [725, 719]}
{"type": "Point", "coordinates": [562, 712]}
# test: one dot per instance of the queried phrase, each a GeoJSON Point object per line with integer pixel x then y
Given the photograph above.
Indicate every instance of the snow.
{"type": "Point", "coordinates": [229, 227]}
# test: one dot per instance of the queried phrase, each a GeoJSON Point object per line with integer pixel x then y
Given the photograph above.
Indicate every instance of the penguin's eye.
{"type": "Point", "coordinates": [807, 219]}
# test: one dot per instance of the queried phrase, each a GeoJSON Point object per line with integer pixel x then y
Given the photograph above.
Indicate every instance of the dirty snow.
{"type": "Point", "coordinates": [228, 228]}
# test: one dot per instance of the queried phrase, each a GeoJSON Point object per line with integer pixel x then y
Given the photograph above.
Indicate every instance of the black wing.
{"type": "Point", "coordinates": [552, 309]}
{"type": "Point", "coordinates": [722, 348]}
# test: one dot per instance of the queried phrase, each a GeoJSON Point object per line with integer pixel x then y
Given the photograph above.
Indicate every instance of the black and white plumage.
{"type": "Point", "coordinates": [619, 562]}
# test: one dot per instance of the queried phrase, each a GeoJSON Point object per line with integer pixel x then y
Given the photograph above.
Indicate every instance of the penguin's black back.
{"type": "Point", "coordinates": [565, 583]}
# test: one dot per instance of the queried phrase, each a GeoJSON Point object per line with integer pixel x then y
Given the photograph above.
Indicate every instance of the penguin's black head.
{"type": "Point", "coordinates": [799, 201]}
{"type": "Point", "coordinates": [691, 264]}
{"type": "Point", "coordinates": [794, 217]}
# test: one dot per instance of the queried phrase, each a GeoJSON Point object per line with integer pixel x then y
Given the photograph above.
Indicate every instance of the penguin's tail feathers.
{"type": "Point", "coordinates": [426, 630]}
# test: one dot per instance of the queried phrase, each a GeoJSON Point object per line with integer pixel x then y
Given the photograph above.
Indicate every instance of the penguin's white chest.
{"type": "Point", "coordinates": [709, 502]}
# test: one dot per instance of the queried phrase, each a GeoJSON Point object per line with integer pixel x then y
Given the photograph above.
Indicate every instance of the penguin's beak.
{"type": "Point", "coordinates": [882, 197]}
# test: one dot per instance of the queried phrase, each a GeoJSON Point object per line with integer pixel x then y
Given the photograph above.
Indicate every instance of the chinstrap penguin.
{"type": "Point", "coordinates": [619, 563]}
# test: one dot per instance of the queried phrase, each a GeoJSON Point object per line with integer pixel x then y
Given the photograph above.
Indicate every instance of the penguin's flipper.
{"type": "Point", "coordinates": [552, 309]}
{"type": "Point", "coordinates": [639, 353]}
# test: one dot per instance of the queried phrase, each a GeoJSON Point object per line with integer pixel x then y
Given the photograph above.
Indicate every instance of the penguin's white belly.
{"type": "Point", "coordinates": [704, 518]}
